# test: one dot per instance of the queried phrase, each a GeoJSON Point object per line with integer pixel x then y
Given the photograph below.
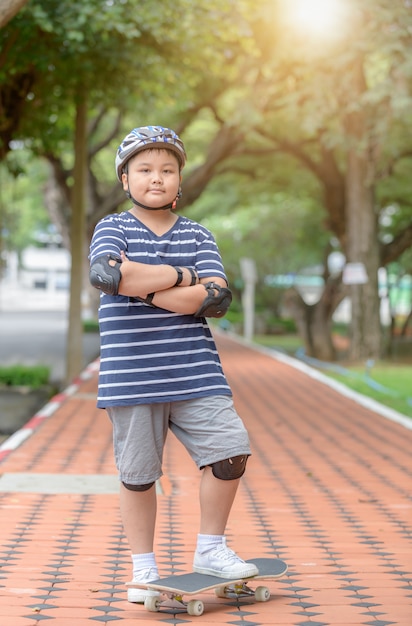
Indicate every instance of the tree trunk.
{"type": "Point", "coordinates": [362, 232]}
{"type": "Point", "coordinates": [314, 321]}
{"type": "Point", "coordinates": [363, 247]}
{"type": "Point", "coordinates": [74, 361]}
{"type": "Point", "coordinates": [404, 329]}
{"type": "Point", "coordinates": [8, 9]}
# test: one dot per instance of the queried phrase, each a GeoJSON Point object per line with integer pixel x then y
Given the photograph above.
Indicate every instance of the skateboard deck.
{"type": "Point", "coordinates": [176, 586]}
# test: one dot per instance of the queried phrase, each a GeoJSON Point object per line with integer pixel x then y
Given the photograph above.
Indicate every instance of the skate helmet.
{"type": "Point", "coordinates": [148, 137]}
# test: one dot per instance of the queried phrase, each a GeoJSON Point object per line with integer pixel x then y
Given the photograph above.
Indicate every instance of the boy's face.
{"type": "Point", "coordinates": [153, 177]}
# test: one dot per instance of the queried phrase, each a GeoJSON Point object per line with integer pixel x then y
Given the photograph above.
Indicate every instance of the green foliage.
{"type": "Point", "coordinates": [91, 326]}
{"type": "Point", "coordinates": [282, 232]}
{"type": "Point", "coordinates": [119, 50]}
{"type": "Point", "coordinates": [24, 376]}
{"type": "Point", "coordinates": [283, 325]}
{"type": "Point", "coordinates": [207, 66]}
{"type": "Point", "coordinates": [22, 211]}
{"type": "Point", "coordinates": [234, 317]}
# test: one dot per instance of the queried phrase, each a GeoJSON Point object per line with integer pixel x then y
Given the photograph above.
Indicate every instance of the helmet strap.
{"type": "Point", "coordinates": [171, 205]}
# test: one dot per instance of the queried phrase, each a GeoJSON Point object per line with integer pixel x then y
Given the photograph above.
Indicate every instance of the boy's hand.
{"type": "Point", "coordinates": [124, 257]}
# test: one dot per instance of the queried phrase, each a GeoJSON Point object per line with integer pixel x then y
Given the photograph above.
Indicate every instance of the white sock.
{"type": "Point", "coordinates": [143, 561]}
{"type": "Point", "coordinates": [208, 542]}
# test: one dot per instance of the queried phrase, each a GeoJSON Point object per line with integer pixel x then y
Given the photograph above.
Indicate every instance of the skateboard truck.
{"type": "Point", "coordinates": [242, 590]}
{"type": "Point", "coordinates": [192, 607]}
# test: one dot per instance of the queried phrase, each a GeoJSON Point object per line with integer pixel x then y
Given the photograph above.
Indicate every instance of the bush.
{"type": "Point", "coordinates": [91, 326]}
{"type": "Point", "coordinates": [234, 317]}
{"type": "Point", "coordinates": [281, 325]}
{"type": "Point", "coordinates": [25, 376]}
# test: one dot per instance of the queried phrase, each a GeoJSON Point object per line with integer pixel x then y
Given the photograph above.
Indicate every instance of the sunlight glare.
{"type": "Point", "coordinates": [316, 17]}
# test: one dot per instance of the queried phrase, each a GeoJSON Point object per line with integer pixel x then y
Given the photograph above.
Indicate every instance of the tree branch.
{"type": "Point", "coordinates": [8, 9]}
{"type": "Point", "coordinates": [401, 242]}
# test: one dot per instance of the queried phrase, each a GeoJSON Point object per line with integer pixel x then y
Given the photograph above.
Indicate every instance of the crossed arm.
{"type": "Point", "coordinates": [141, 279]}
{"type": "Point", "coordinates": [157, 284]}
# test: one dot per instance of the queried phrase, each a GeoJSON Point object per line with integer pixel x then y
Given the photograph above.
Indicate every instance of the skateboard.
{"type": "Point", "coordinates": [177, 586]}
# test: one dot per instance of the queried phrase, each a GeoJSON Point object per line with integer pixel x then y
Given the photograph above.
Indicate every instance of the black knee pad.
{"type": "Point", "coordinates": [230, 469]}
{"type": "Point", "coordinates": [138, 487]}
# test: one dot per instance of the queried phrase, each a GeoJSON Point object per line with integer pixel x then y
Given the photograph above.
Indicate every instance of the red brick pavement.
{"type": "Point", "coordinates": [327, 489]}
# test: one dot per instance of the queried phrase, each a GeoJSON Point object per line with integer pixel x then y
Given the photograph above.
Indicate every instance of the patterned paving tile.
{"type": "Point", "coordinates": [327, 489]}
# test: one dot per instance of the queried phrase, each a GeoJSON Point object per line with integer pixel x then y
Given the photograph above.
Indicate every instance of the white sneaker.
{"type": "Point", "coordinates": [223, 562]}
{"type": "Point", "coordinates": [147, 575]}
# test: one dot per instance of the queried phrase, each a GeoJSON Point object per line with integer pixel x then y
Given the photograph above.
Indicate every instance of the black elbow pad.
{"type": "Point", "coordinates": [105, 274]}
{"type": "Point", "coordinates": [216, 303]}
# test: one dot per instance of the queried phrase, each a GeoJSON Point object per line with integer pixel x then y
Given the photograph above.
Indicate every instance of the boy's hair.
{"type": "Point", "coordinates": [148, 137]}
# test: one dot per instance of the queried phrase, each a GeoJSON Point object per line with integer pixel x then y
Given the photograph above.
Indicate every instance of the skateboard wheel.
{"type": "Point", "coordinates": [195, 607]}
{"type": "Point", "coordinates": [262, 594]}
{"type": "Point", "coordinates": [221, 592]}
{"type": "Point", "coordinates": [152, 604]}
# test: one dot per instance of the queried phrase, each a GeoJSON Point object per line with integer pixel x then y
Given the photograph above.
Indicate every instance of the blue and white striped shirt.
{"type": "Point", "coordinates": [149, 354]}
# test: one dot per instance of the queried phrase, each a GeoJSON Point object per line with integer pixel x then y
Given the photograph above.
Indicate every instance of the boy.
{"type": "Point", "coordinates": [160, 276]}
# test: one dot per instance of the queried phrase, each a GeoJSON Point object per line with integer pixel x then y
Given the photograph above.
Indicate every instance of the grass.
{"type": "Point", "coordinates": [394, 388]}
{"type": "Point", "coordinates": [283, 343]}
{"type": "Point", "coordinates": [35, 376]}
{"type": "Point", "coordinates": [386, 382]}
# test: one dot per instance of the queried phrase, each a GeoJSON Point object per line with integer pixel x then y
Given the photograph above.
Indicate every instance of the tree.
{"type": "Point", "coordinates": [8, 9]}
{"type": "Point", "coordinates": [339, 112]}
{"type": "Point", "coordinates": [35, 81]}
{"type": "Point", "coordinates": [41, 49]}
{"type": "Point", "coordinates": [74, 360]}
{"type": "Point", "coordinates": [349, 110]}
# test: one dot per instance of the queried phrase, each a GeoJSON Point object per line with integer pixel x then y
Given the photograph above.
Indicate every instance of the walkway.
{"type": "Point", "coordinates": [327, 489]}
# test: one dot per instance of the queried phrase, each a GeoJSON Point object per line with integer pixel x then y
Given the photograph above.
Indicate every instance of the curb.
{"type": "Point", "coordinates": [17, 438]}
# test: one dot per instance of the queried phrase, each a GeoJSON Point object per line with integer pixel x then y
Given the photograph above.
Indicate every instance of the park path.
{"type": "Point", "coordinates": [327, 489]}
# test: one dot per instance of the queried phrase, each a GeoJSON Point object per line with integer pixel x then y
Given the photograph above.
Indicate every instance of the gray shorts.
{"type": "Point", "coordinates": [209, 428]}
